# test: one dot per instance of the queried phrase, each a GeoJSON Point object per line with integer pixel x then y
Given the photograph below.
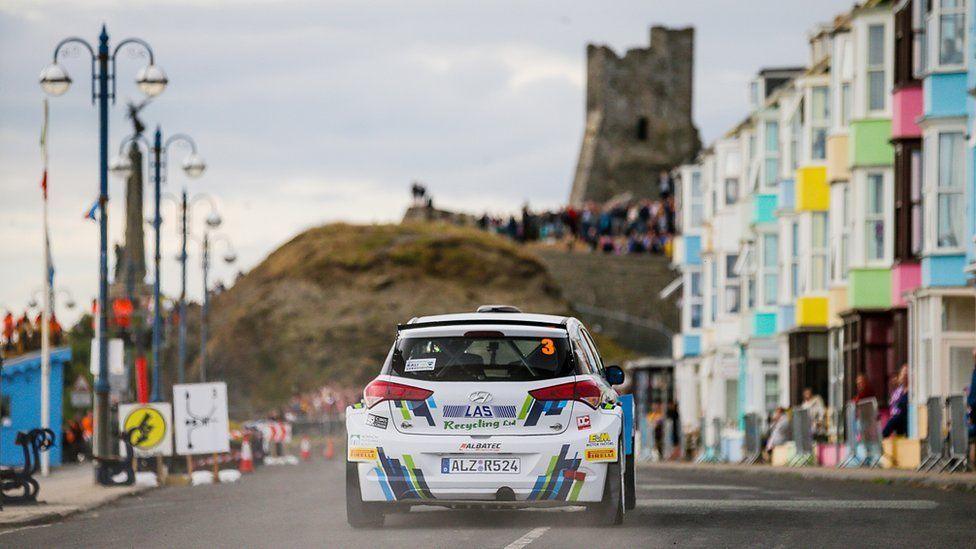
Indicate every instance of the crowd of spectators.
{"type": "Point", "coordinates": [617, 227]}
{"type": "Point", "coordinates": [21, 335]}
{"type": "Point", "coordinates": [325, 403]}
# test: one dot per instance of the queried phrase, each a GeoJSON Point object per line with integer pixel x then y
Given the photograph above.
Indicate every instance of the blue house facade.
{"type": "Point", "coordinates": [21, 396]}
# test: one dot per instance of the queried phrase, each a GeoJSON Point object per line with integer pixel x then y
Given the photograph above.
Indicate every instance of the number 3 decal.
{"type": "Point", "coordinates": [548, 347]}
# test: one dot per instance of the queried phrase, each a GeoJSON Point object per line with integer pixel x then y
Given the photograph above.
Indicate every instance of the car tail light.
{"type": "Point", "coordinates": [379, 390]}
{"type": "Point", "coordinates": [584, 391]}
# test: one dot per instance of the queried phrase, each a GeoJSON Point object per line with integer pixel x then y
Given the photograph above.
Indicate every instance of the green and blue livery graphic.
{"type": "Point", "coordinates": [563, 479]}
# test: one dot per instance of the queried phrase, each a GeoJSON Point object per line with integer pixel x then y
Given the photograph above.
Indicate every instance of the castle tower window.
{"type": "Point", "coordinates": [642, 128]}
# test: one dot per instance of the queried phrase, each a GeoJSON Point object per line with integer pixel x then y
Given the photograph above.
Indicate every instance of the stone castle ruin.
{"type": "Point", "coordinates": [638, 117]}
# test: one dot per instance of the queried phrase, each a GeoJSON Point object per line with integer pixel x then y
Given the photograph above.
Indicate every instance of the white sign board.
{"type": "Point", "coordinates": [200, 418]}
{"type": "Point", "coordinates": [151, 426]}
{"type": "Point", "coordinates": [116, 353]}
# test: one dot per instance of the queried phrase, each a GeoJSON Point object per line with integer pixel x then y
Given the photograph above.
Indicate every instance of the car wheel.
{"type": "Point", "coordinates": [630, 482]}
{"type": "Point", "coordinates": [610, 510]}
{"type": "Point", "coordinates": [360, 514]}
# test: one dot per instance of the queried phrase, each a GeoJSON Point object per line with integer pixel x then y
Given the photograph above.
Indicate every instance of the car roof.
{"type": "Point", "coordinates": [507, 319]}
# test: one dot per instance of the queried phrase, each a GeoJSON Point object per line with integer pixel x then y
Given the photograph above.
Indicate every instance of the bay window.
{"type": "Point", "coordinates": [917, 212]}
{"type": "Point", "coordinates": [795, 287]}
{"type": "Point", "coordinates": [694, 296]}
{"type": "Point", "coordinates": [770, 263]}
{"type": "Point", "coordinates": [819, 122]}
{"type": "Point", "coordinates": [733, 289]}
{"type": "Point", "coordinates": [877, 92]}
{"type": "Point", "coordinates": [771, 170]}
{"type": "Point", "coordinates": [696, 200]}
{"type": "Point", "coordinates": [950, 207]}
{"type": "Point", "coordinates": [949, 18]}
{"type": "Point", "coordinates": [874, 226]}
{"type": "Point", "coordinates": [819, 251]}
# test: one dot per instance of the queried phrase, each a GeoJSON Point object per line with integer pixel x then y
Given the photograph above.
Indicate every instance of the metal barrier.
{"type": "Point", "coordinates": [802, 439]}
{"type": "Point", "coordinates": [958, 435]}
{"type": "Point", "coordinates": [934, 440]}
{"type": "Point", "coordinates": [850, 437]}
{"type": "Point", "coordinates": [752, 442]}
{"type": "Point", "coordinates": [712, 452]}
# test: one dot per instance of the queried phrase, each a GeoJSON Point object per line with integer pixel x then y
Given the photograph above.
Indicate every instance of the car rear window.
{"type": "Point", "coordinates": [481, 358]}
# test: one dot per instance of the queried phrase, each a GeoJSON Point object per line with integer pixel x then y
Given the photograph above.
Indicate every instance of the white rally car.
{"type": "Point", "coordinates": [494, 409]}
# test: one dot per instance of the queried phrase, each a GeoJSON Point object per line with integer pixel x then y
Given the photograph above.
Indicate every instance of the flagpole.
{"type": "Point", "coordinates": [46, 315]}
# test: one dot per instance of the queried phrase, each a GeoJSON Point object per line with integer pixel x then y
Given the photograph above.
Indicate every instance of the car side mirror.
{"type": "Point", "coordinates": [614, 375]}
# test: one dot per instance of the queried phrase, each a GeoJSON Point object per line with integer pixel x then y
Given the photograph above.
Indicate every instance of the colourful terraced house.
{"type": "Point", "coordinates": [942, 308]}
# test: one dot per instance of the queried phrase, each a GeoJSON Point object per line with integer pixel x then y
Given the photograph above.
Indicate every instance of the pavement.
{"type": "Point", "coordinates": [303, 505]}
{"type": "Point", "coordinates": [67, 490]}
{"type": "Point", "coordinates": [948, 481]}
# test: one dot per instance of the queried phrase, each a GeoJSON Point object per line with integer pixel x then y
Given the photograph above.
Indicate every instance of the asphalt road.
{"type": "Point", "coordinates": [303, 506]}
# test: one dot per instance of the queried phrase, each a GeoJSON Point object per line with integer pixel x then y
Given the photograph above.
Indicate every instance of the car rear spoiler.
{"type": "Point", "coordinates": [473, 321]}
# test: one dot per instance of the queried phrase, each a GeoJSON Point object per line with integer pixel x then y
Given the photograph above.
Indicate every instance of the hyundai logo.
{"type": "Point", "coordinates": [480, 397]}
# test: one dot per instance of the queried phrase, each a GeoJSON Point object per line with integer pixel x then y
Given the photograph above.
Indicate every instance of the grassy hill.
{"type": "Point", "coordinates": [323, 307]}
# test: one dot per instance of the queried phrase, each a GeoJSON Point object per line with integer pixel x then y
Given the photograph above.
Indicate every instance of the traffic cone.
{"type": "Point", "coordinates": [329, 448]}
{"type": "Point", "coordinates": [247, 459]}
{"type": "Point", "coordinates": [306, 449]}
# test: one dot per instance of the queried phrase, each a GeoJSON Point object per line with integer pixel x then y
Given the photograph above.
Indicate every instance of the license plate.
{"type": "Point", "coordinates": [481, 465]}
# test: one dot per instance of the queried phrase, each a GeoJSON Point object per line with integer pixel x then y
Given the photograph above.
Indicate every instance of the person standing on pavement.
{"type": "Point", "coordinates": [779, 429]}
{"type": "Point", "coordinates": [897, 423]}
{"type": "Point", "coordinates": [814, 404]}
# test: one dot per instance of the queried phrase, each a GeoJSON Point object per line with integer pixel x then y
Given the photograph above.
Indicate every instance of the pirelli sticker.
{"type": "Point", "coordinates": [362, 454]}
{"type": "Point", "coordinates": [601, 454]}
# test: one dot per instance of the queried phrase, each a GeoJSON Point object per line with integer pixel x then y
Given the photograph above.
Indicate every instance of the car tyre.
{"type": "Point", "coordinates": [610, 510]}
{"type": "Point", "coordinates": [359, 513]}
{"type": "Point", "coordinates": [630, 481]}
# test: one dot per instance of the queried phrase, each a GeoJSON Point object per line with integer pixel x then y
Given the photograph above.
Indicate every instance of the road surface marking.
{"type": "Point", "coordinates": [789, 504]}
{"type": "Point", "coordinates": [693, 487]}
{"type": "Point", "coordinates": [22, 528]}
{"type": "Point", "coordinates": [528, 538]}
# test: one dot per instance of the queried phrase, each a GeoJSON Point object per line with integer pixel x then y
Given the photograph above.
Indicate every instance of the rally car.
{"type": "Point", "coordinates": [493, 409]}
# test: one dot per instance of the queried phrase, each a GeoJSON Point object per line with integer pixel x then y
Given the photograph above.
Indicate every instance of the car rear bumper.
{"type": "Point", "coordinates": [558, 469]}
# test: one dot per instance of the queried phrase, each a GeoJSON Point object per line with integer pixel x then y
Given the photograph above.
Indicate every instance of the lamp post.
{"type": "Point", "coordinates": [229, 258]}
{"type": "Point", "coordinates": [213, 220]}
{"type": "Point", "coordinates": [193, 166]}
{"type": "Point", "coordinates": [55, 81]}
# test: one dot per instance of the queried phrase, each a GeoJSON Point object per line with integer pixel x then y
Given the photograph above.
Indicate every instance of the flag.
{"type": "Point", "coordinates": [91, 211]}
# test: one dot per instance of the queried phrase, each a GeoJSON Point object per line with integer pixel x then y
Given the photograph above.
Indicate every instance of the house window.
{"type": "Point", "coordinates": [694, 297]}
{"type": "Point", "coordinates": [770, 263]}
{"type": "Point", "coordinates": [819, 122]}
{"type": "Point", "coordinates": [950, 212]}
{"type": "Point", "coordinates": [771, 169]}
{"type": "Point", "coordinates": [877, 95]}
{"type": "Point", "coordinates": [796, 128]}
{"type": "Point", "coordinates": [733, 289]}
{"type": "Point", "coordinates": [874, 236]}
{"type": "Point", "coordinates": [917, 212]}
{"type": "Point", "coordinates": [731, 400]}
{"type": "Point", "coordinates": [795, 259]}
{"type": "Point", "coordinates": [819, 251]}
{"type": "Point", "coordinates": [951, 31]}
{"type": "Point", "coordinates": [920, 12]}
{"type": "Point", "coordinates": [731, 190]}
{"type": "Point", "coordinates": [714, 289]}
{"type": "Point", "coordinates": [846, 104]}
{"type": "Point", "coordinates": [847, 219]}
{"type": "Point", "coordinates": [697, 201]}
{"type": "Point", "coordinates": [642, 128]}
{"type": "Point", "coordinates": [770, 388]}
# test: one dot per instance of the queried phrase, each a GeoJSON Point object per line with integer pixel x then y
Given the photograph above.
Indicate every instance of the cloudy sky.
{"type": "Point", "coordinates": [316, 111]}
